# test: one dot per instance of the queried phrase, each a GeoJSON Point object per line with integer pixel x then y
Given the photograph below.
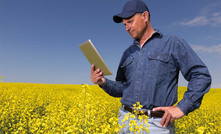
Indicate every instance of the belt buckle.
{"type": "Point", "coordinates": [149, 113]}
{"type": "Point", "coordinates": [123, 107]}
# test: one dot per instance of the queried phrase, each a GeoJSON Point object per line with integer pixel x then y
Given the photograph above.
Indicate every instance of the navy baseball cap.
{"type": "Point", "coordinates": [131, 8]}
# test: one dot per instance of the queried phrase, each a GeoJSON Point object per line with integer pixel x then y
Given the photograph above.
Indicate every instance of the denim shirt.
{"type": "Point", "coordinates": [150, 74]}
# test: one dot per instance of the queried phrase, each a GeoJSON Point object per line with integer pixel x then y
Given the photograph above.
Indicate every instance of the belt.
{"type": "Point", "coordinates": [147, 112]}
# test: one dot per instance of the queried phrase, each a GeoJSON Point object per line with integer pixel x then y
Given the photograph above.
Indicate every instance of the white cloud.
{"type": "Point", "coordinates": [213, 49]}
{"type": "Point", "coordinates": [210, 37]}
{"type": "Point", "coordinates": [209, 15]}
{"type": "Point", "coordinates": [197, 21]}
{"type": "Point", "coordinates": [216, 18]}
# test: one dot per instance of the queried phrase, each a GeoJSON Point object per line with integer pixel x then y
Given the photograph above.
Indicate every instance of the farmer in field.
{"type": "Point", "coordinates": [149, 69]}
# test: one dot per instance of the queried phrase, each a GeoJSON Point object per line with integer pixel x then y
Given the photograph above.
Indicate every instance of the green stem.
{"type": "Point", "coordinates": [84, 107]}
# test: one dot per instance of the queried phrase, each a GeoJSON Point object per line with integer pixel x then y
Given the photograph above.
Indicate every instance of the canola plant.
{"type": "Point", "coordinates": [57, 108]}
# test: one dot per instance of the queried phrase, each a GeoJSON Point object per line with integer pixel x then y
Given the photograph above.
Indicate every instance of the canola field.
{"type": "Point", "coordinates": [82, 109]}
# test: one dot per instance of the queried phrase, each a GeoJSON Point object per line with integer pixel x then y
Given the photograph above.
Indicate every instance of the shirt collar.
{"type": "Point", "coordinates": [157, 33]}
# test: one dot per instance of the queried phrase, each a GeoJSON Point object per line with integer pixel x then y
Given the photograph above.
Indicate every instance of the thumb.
{"type": "Point", "coordinates": [92, 68]}
{"type": "Point", "coordinates": [158, 109]}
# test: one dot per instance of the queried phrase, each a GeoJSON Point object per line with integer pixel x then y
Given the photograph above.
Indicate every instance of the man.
{"type": "Point", "coordinates": [149, 69]}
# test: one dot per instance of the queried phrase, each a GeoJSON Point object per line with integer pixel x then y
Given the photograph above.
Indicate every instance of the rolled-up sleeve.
{"type": "Point", "coordinates": [196, 73]}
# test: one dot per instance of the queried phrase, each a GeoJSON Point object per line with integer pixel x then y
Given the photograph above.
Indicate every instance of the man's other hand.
{"type": "Point", "coordinates": [171, 113]}
{"type": "Point", "coordinates": [97, 76]}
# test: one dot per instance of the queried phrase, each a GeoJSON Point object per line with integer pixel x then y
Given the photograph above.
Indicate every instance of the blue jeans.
{"type": "Point", "coordinates": [155, 127]}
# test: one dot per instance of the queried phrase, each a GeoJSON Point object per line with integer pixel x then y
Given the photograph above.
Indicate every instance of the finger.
{"type": "Point", "coordinates": [98, 70]}
{"type": "Point", "coordinates": [92, 68]}
{"type": "Point", "coordinates": [167, 121]}
{"type": "Point", "coordinates": [99, 79]}
{"type": "Point", "coordinates": [97, 76]}
{"type": "Point", "coordinates": [96, 79]}
{"type": "Point", "coordinates": [101, 73]}
{"type": "Point", "coordinates": [172, 120]}
{"type": "Point", "coordinates": [163, 119]}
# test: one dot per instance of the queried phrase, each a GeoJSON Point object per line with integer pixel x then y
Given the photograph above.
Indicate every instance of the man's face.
{"type": "Point", "coordinates": [135, 26]}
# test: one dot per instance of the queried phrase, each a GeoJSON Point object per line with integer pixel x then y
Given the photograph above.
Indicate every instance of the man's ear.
{"type": "Point", "coordinates": [145, 15]}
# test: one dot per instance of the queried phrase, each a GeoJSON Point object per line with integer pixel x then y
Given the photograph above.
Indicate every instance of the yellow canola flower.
{"type": "Point", "coordinates": [132, 116]}
{"type": "Point", "coordinates": [138, 114]}
{"type": "Point", "coordinates": [58, 108]}
{"type": "Point", "coordinates": [200, 130]}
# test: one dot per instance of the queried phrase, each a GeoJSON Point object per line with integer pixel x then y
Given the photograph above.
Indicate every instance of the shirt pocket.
{"type": "Point", "coordinates": [128, 61]}
{"type": "Point", "coordinates": [164, 57]}
{"type": "Point", "coordinates": [127, 66]}
{"type": "Point", "coordinates": [158, 64]}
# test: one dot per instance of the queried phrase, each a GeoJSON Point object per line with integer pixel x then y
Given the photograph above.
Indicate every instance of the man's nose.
{"type": "Point", "coordinates": [127, 28]}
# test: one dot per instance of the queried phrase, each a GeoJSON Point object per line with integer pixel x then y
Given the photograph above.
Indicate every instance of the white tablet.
{"type": "Point", "coordinates": [94, 57]}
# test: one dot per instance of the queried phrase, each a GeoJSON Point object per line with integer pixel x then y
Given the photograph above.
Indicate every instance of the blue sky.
{"type": "Point", "coordinates": [39, 39]}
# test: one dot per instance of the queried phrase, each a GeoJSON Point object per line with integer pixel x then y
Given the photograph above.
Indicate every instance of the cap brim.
{"type": "Point", "coordinates": [119, 17]}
